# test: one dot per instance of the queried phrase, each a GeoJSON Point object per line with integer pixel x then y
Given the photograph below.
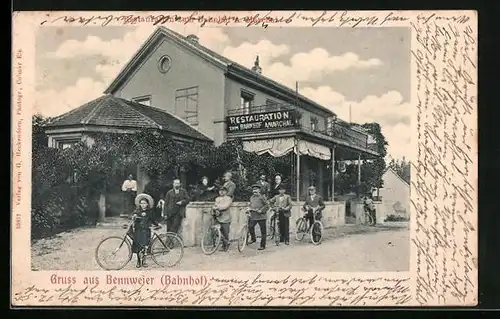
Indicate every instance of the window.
{"type": "Point", "coordinates": [314, 123]}
{"type": "Point", "coordinates": [145, 100]}
{"type": "Point", "coordinates": [186, 104]}
{"type": "Point", "coordinates": [62, 145]}
{"type": "Point", "coordinates": [271, 105]}
{"type": "Point", "coordinates": [246, 101]}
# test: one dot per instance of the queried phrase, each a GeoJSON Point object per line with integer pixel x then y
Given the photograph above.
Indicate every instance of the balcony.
{"type": "Point", "coordinates": [335, 131]}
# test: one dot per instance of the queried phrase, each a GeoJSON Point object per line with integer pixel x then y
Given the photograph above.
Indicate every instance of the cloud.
{"type": "Point", "coordinates": [388, 110]}
{"type": "Point", "coordinates": [53, 103]}
{"type": "Point", "coordinates": [304, 66]}
{"type": "Point", "coordinates": [114, 54]}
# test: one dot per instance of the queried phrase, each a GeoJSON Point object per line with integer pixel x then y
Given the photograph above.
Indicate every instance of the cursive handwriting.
{"type": "Point", "coordinates": [444, 200]}
{"type": "Point", "coordinates": [263, 19]}
{"type": "Point", "coordinates": [260, 290]}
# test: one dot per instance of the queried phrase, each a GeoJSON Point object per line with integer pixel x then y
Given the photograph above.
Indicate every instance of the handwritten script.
{"type": "Point", "coordinates": [444, 184]}
{"type": "Point", "coordinates": [259, 290]}
{"type": "Point", "coordinates": [265, 19]}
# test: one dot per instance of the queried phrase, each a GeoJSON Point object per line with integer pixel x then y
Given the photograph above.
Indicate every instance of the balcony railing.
{"type": "Point", "coordinates": [260, 109]}
{"type": "Point", "coordinates": [334, 129]}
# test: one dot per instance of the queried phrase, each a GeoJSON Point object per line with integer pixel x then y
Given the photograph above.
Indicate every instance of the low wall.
{"type": "Point", "coordinates": [198, 219]}
{"type": "Point", "coordinates": [358, 208]}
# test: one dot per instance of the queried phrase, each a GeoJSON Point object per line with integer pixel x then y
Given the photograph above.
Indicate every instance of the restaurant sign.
{"type": "Point", "coordinates": [261, 121]}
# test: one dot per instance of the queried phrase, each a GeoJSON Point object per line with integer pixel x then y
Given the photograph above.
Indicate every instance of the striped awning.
{"type": "Point", "coordinates": [278, 147]}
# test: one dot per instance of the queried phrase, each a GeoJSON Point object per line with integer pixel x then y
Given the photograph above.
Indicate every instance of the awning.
{"type": "Point", "coordinates": [275, 147]}
{"type": "Point", "coordinates": [314, 150]}
{"type": "Point", "coordinates": [282, 146]}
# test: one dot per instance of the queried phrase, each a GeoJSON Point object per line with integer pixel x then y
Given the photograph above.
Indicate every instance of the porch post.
{"type": "Point", "coordinates": [359, 173]}
{"type": "Point", "coordinates": [297, 180]}
{"type": "Point", "coordinates": [333, 173]}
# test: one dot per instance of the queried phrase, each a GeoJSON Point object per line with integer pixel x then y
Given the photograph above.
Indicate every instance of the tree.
{"type": "Point", "coordinates": [402, 168]}
{"type": "Point", "coordinates": [371, 170]}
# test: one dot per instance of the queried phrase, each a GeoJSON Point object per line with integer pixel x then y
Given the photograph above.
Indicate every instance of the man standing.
{"type": "Point", "coordinates": [276, 187]}
{"type": "Point", "coordinates": [174, 206]}
{"type": "Point", "coordinates": [264, 186]}
{"type": "Point", "coordinates": [258, 215]}
{"type": "Point", "coordinates": [229, 185]}
{"type": "Point", "coordinates": [129, 189]}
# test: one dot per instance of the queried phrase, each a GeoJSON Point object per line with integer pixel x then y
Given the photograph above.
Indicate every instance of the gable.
{"type": "Point", "coordinates": [148, 48]}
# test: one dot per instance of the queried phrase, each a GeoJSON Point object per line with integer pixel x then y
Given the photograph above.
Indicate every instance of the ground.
{"type": "Point", "coordinates": [344, 249]}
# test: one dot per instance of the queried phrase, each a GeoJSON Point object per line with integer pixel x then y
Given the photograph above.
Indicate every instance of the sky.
{"type": "Point", "coordinates": [364, 69]}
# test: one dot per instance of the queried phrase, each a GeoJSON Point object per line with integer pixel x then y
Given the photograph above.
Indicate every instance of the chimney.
{"type": "Point", "coordinates": [256, 67]}
{"type": "Point", "coordinates": [193, 38]}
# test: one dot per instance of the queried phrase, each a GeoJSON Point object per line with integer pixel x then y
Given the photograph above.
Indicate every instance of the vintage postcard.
{"type": "Point", "coordinates": [206, 159]}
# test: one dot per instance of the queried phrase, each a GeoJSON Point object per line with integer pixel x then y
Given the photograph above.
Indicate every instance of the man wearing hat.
{"type": "Point", "coordinates": [258, 215]}
{"type": "Point", "coordinates": [282, 205]}
{"type": "Point", "coordinates": [313, 202]}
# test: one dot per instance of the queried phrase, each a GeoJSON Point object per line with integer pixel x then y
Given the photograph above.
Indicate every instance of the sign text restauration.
{"type": "Point", "coordinates": [268, 120]}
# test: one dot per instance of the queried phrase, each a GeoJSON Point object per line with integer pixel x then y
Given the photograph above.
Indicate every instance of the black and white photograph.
{"type": "Point", "coordinates": [249, 149]}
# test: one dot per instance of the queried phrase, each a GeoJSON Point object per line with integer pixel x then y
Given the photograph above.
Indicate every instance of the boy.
{"type": "Point", "coordinates": [282, 205]}
{"type": "Point", "coordinates": [223, 216]}
{"type": "Point", "coordinates": [258, 215]}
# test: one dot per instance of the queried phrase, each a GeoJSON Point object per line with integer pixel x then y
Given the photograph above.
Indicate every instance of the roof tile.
{"type": "Point", "coordinates": [109, 110]}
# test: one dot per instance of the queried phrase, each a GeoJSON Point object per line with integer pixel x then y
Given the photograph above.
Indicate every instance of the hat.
{"type": "Point", "coordinates": [312, 187]}
{"type": "Point", "coordinates": [257, 186]}
{"type": "Point", "coordinates": [140, 197]}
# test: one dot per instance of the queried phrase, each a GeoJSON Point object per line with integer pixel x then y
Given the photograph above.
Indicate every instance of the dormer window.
{"type": "Point", "coordinates": [144, 100]}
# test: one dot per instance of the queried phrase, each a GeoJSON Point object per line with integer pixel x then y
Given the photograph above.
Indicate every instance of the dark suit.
{"type": "Point", "coordinates": [275, 190]}
{"type": "Point", "coordinates": [283, 204]}
{"type": "Point", "coordinates": [175, 213]}
{"type": "Point", "coordinates": [316, 201]}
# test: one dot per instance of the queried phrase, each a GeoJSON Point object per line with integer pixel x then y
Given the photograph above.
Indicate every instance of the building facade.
{"type": "Point", "coordinates": [395, 194]}
{"type": "Point", "coordinates": [224, 100]}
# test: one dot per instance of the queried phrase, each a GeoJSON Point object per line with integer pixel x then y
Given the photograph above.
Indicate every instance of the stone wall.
{"type": "Point", "coordinates": [198, 219]}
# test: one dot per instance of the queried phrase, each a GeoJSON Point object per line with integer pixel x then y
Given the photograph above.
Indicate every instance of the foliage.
{"type": "Point", "coordinates": [371, 171]}
{"type": "Point", "coordinates": [395, 218]}
{"type": "Point", "coordinates": [69, 182]}
{"type": "Point", "coordinates": [402, 168]}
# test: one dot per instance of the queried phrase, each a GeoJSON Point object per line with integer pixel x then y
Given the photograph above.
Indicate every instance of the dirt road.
{"type": "Point", "coordinates": [345, 249]}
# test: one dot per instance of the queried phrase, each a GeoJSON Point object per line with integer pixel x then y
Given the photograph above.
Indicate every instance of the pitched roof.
{"type": "Point", "coordinates": [210, 55]}
{"type": "Point", "coordinates": [394, 172]}
{"type": "Point", "coordinates": [109, 110]}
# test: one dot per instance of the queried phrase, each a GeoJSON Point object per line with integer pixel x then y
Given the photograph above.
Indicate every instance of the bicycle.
{"type": "Point", "coordinates": [315, 230]}
{"type": "Point", "coordinates": [274, 227]}
{"type": "Point", "coordinates": [212, 237]}
{"type": "Point", "coordinates": [366, 218]}
{"type": "Point", "coordinates": [244, 233]}
{"type": "Point", "coordinates": [159, 245]}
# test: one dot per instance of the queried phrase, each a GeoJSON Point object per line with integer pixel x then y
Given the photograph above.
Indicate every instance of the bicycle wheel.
{"type": "Point", "coordinates": [366, 219]}
{"type": "Point", "coordinates": [211, 240]}
{"type": "Point", "coordinates": [300, 228]}
{"type": "Point", "coordinates": [272, 228]}
{"type": "Point", "coordinates": [277, 234]}
{"type": "Point", "coordinates": [316, 232]}
{"type": "Point", "coordinates": [113, 253]}
{"type": "Point", "coordinates": [243, 238]}
{"type": "Point", "coordinates": [167, 250]}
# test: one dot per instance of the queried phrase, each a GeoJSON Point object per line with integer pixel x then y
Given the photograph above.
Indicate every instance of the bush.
{"type": "Point", "coordinates": [396, 218]}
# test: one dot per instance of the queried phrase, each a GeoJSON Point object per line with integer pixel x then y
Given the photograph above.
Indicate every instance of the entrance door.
{"type": "Point", "coordinates": [114, 193]}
